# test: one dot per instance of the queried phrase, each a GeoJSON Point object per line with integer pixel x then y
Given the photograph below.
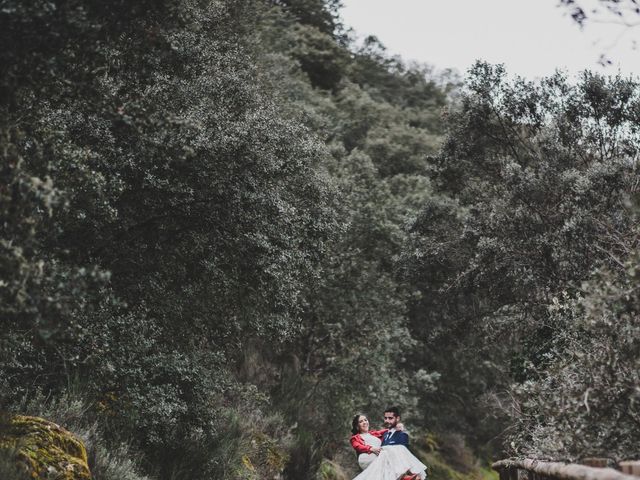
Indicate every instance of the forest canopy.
{"type": "Point", "coordinates": [227, 227]}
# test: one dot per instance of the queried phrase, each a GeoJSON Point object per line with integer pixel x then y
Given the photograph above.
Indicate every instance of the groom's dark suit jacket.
{"type": "Point", "coordinates": [398, 438]}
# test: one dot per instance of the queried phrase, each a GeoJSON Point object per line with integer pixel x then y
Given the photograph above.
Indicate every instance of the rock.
{"type": "Point", "coordinates": [45, 450]}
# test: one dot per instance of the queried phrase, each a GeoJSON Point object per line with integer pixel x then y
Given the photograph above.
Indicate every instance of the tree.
{"type": "Point", "coordinates": [181, 183]}
{"type": "Point", "coordinates": [204, 209]}
{"type": "Point", "coordinates": [529, 175]}
{"type": "Point", "coordinates": [625, 13]}
{"type": "Point", "coordinates": [585, 401]}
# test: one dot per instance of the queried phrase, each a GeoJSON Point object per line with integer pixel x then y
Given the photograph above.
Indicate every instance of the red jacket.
{"type": "Point", "coordinates": [357, 442]}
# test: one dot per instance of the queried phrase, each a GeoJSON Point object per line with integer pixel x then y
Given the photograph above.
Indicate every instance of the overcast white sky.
{"type": "Point", "coordinates": [531, 37]}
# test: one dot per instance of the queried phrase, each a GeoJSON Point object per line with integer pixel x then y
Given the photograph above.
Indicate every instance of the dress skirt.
{"type": "Point", "coordinates": [392, 463]}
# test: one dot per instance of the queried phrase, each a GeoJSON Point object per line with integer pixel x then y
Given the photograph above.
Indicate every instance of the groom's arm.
{"type": "Point", "coordinates": [402, 438]}
{"type": "Point", "coordinates": [379, 433]}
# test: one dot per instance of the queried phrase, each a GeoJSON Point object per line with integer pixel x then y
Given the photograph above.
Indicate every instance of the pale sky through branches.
{"type": "Point", "coordinates": [531, 37]}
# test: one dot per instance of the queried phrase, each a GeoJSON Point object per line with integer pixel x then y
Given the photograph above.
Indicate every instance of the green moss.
{"type": "Point", "coordinates": [269, 453]}
{"type": "Point", "coordinates": [246, 470]}
{"type": "Point", "coordinates": [489, 473]}
{"type": "Point", "coordinates": [10, 469]}
{"type": "Point", "coordinates": [44, 449]}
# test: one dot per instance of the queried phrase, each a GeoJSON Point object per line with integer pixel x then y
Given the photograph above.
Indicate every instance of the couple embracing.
{"type": "Point", "coordinates": [383, 454]}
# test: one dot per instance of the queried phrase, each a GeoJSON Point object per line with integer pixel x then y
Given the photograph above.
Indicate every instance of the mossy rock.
{"type": "Point", "coordinates": [43, 449]}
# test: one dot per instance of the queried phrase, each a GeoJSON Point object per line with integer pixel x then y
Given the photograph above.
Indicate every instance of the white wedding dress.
{"type": "Point", "coordinates": [392, 463]}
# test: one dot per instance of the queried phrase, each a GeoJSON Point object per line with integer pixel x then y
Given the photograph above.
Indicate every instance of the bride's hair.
{"type": "Point", "coordinates": [355, 427]}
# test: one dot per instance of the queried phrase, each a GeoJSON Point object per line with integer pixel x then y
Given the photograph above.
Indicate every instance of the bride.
{"type": "Point", "coordinates": [379, 462]}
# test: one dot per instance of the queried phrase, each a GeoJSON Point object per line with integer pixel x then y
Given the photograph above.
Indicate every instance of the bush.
{"type": "Point", "coordinates": [108, 460]}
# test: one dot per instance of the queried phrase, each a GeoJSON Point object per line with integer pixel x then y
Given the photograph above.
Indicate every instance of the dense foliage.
{"type": "Point", "coordinates": [200, 219]}
{"type": "Point", "coordinates": [227, 227]}
{"type": "Point", "coordinates": [536, 181]}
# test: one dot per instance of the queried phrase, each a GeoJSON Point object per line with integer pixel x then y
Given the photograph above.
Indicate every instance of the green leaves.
{"type": "Point", "coordinates": [187, 183]}
{"type": "Point", "coordinates": [534, 178]}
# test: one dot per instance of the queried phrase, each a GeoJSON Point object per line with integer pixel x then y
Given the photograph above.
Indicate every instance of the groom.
{"type": "Point", "coordinates": [393, 436]}
{"type": "Point", "coordinates": [398, 437]}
